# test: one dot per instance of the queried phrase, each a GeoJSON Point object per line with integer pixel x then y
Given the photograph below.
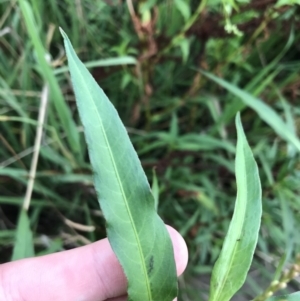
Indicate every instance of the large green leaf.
{"type": "Point", "coordinates": [23, 247]}
{"type": "Point", "coordinates": [291, 297]}
{"type": "Point", "coordinates": [231, 268]}
{"type": "Point", "coordinates": [136, 233]}
{"type": "Point", "coordinates": [265, 112]}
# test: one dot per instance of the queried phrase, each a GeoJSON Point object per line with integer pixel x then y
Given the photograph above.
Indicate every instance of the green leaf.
{"type": "Point", "coordinates": [184, 45]}
{"type": "Point", "coordinates": [183, 8]}
{"type": "Point", "coordinates": [61, 107]}
{"type": "Point", "coordinates": [287, 2]}
{"type": "Point", "coordinates": [231, 268]}
{"type": "Point", "coordinates": [265, 112]}
{"type": "Point", "coordinates": [117, 61]}
{"type": "Point", "coordinates": [23, 247]}
{"type": "Point", "coordinates": [136, 233]}
{"type": "Point", "coordinates": [155, 189]}
{"type": "Point", "coordinates": [291, 297]}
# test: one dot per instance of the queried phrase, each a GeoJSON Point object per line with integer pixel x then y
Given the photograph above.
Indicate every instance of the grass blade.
{"type": "Point", "coordinates": [155, 189]}
{"type": "Point", "coordinates": [56, 94]}
{"type": "Point", "coordinates": [231, 268]}
{"type": "Point", "coordinates": [23, 247]}
{"type": "Point", "coordinates": [265, 112]}
{"type": "Point", "coordinates": [124, 60]}
{"type": "Point", "coordinates": [136, 233]}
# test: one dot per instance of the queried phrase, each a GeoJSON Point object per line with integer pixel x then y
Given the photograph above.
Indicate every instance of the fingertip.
{"type": "Point", "coordinates": [180, 250]}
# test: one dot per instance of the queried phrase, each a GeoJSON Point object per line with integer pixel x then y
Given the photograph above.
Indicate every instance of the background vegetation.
{"type": "Point", "coordinates": [146, 56]}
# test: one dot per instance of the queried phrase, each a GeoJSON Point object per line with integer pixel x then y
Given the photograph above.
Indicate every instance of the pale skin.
{"type": "Point", "coordinates": [89, 273]}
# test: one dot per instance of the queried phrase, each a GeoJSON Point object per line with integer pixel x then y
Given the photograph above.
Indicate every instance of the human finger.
{"type": "Point", "coordinates": [87, 273]}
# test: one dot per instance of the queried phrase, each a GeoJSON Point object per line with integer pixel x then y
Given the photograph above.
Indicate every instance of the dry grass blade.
{"type": "Point", "coordinates": [37, 146]}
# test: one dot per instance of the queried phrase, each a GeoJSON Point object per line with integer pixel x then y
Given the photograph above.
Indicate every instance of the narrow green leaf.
{"type": "Point", "coordinates": [23, 247]}
{"type": "Point", "coordinates": [61, 107]}
{"type": "Point", "coordinates": [265, 112]}
{"type": "Point", "coordinates": [174, 128]}
{"type": "Point", "coordinates": [10, 99]}
{"type": "Point", "coordinates": [183, 8]}
{"type": "Point", "coordinates": [231, 268]}
{"type": "Point", "coordinates": [155, 189]}
{"type": "Point", "coordinates": [136, 233]}
{"type": "Point", "coordinates": [123, 60]}
{"type": "Point", "coordinates": [291, 297]}
{"type": "Point", "coordinates": [7, 233]}
{"type": "Point", "coordinates": [288, 223]}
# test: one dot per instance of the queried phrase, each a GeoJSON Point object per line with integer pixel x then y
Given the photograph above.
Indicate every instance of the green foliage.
{"type": "Point", "coordinates": [57, 97]}
{"type": "Point", "coordinates": [133, 226]}
{"type": "Point", "coordinates": [231, 268]}
{"type": "Point", "coordinates": [265, 112]}
{"type": "Point", "coordinates": [291, 297]}
{"type": "Point", "coordinates": [23, 247]}
{"type": "Point", "coordinates": [287, 2]}
{"type": "Point", "coordinates": [180, 122]}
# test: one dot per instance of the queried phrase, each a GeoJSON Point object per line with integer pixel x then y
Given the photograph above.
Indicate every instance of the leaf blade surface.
{"type": "Point", "coordinates": [231, 268]}
{"type": "Point", "coordinates": [266, 113]}
{"type": "Point", "coordinates": [136, 233]}
{"type": "Point", "coordinates": [291, 297]}
{"type": "Point", "coordinates": [61, 107]}
{"type": "Point", "coordinates": [23, 246]}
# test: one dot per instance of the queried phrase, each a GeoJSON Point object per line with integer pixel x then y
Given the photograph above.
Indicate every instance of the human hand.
{"type": "Point", "coordinates": [89, 273]}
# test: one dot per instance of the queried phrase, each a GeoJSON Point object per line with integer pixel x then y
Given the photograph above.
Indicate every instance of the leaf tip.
{"type": "Point", "coordinates": [64, 35]}
{"type": "Point", "coordinates": [238, 117]}
{"type": "Point", "coordinates": [238, 124]}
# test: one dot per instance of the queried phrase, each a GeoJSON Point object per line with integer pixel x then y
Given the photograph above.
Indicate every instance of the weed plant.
{"type": "Point", "coordinates": [147, 56]}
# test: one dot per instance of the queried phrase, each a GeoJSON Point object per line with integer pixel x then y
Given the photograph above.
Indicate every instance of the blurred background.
{"type": "Point", "coordinates": [147, 56]}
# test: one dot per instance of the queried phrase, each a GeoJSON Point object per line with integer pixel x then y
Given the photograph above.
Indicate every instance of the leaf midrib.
{"type": "Point", "coordinates": [236, 244]}
{"type": "Point", "coordinates": [120, 185]}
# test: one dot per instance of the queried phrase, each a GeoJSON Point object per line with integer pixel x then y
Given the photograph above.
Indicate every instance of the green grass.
{"type": "Point", "coordinates": [180, 121]}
